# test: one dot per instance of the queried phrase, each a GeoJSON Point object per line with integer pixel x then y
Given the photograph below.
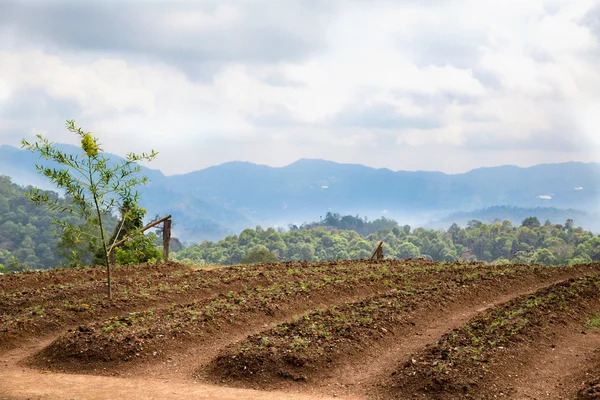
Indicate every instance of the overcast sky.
{"type": "Point", "coordinates": [445, 85]}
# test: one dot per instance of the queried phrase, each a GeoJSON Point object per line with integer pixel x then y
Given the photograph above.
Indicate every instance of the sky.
{"type": "Point", "coordinates": [446, 85]}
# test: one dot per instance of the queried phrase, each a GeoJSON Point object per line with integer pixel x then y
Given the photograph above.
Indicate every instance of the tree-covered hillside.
{"type": "Point", "coordinates": [27, 239]}
{"type": "Point", "coordinates": [500, 242]}
{"type": "Point", "coordinates": [27, 235]}
{"type": "Point", "coordinates": [347, 222]}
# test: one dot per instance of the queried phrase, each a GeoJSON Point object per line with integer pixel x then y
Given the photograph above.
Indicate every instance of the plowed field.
{"type": "Point", "coordinates": [349, 329]}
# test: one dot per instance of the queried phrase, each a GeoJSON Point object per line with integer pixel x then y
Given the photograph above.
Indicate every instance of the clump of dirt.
{"type": "Point", "coordinates": [590, 391]}
{"type": "Point", "coordinates": [464, 361]}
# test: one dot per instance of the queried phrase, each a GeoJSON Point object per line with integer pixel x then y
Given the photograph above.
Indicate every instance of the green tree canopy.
{"type": "Point", "coordinates": [499, 242]}
{"type": "Point", "coordinates": [259, 254]}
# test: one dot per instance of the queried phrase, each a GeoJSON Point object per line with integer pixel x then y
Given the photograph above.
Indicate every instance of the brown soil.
{"type": "Point", "coordinates": [185, 358]}
{"type": "Point", "coordinates": [20, 383]}
{"type": "Point", "coordinates": [361, 372]}
{"type": "Point", "coordinates": [41, 303]}
{"type": "Point", "coordinates": [157, 335]}
{"type": "Point", "coordinates": [327, 346]}
{"type": "Point", "coordinates": [531, 346]}
{"type": "Point", "coordinates": [556, 371]}
{"type": "Point", "coordinates": [590, 389]}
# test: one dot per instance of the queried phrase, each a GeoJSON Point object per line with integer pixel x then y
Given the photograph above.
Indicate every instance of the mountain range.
{"type": "Point", "coordinates": [227, 198]}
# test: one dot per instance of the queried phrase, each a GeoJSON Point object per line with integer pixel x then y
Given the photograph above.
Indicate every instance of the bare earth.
{"type": "Point", "coordinates": [18, 382]}
{"type": "Point", "coordinates": [549, 373]}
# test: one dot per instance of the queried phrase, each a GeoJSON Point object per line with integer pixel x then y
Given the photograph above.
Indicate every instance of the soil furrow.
{"type": "Point", "coordinates": [57, 304]}
{"type": "Point", "coordinates": [17, 382]}
{"type": "Point", "coordinates": [361, 373]}
{"type": "Point", "coordinates": [515, 350]}
{"type": "Point", "coordinates": [147, 337]}
{"type": "Point", "coordinates": [554, 371]}
{"type": "Point", "coordinates": [308, 350]}
{"type": "Point", "coordinates": [369, 317]}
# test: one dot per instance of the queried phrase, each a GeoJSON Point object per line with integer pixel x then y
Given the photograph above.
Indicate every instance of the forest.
{"type": "Point", "coordinates": [27, 235]}
{"type": "Point", "coordinates": [29, 240]}
{"type": "Point", "coordinates": [500, 242]}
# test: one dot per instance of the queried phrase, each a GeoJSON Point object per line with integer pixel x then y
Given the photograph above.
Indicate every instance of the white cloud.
{"type": "Point", "coordinates": [419, 85]}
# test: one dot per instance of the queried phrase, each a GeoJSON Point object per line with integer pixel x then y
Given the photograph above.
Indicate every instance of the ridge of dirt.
{"type": "Point", "coordinates": [147, 336]}
{"type": "Point", "coordinates": [185, 360]}
{"type": "Point", "coordinates": [498, 353]}
{"type": "Point", "coordinates": [17, 382]}
{"type": "Point", "coordinates": [57, 303]}
{"type": "Point", "coordinates": [590, 387]}
{"type": "Point", "coordinates": [265, 360]}
{"type": "Point", "coordinates": [52, 300]}
{"type": "Point", "coordinates": [555, 371]}
{"type": "Point", "coordinates": [31, 280]}
{"type": "Point", "coordinates": [172, 379]}
{"type": "Point", "coordinates": [361, 373]}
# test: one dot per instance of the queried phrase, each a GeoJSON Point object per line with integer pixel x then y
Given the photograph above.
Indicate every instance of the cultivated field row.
{"type": "Point", "coordinates": [320, 343]}
{"type": "Point", "coordinates": [478, 359]}
{"type": "Point", "coordinates": [374, 329]}
{"type": "Point", "coordinates": [148, 333]}
{"type": "Point", "coordinates": [38, 303]}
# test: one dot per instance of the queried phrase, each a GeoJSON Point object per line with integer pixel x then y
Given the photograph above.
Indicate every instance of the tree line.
{"type": "Point", "coordinates": [30, 240]}
{"type": "Point", "coordinates": [498, 242]}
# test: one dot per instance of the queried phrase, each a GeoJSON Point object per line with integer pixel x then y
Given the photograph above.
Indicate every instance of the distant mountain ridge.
{"type": "Point", "coordinates": [516, 215]}
{"type": "Point", "coordinates": [223, 199]}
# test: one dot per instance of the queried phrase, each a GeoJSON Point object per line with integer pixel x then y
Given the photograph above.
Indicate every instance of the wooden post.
{"type": "Point", "coordinates": [120, 242]}
{"type": "Point", "coordinates": [166, 239]}
{"type": "Point", "coordinates": [378, 251]}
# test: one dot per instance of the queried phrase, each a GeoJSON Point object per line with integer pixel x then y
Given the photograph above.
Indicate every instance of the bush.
{"type": "Point", "coordinates": [138, 250]}
{"type": "Point", "coordinates": [259, 255]}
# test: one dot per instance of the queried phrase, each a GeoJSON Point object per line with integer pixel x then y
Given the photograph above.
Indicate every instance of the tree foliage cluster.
{"type": "Point", "coordinates": [360, 225]}
{"type": "Point", "coordinates": [28, 237]}
{"type": "Point", "coordinates": [498, 242]}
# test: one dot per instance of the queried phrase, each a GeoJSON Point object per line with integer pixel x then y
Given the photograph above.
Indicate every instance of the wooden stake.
{"type": "Point", "coordinates": [378, 251]}
{"type": "Point", "coordinates": [120, 242]}
{"type": "Point", "coordinates": [166, 239]}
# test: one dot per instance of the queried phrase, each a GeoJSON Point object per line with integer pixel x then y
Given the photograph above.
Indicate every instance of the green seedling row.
{"type": "Point", "coordinates": [463, 359]}
{"type": "Point", "coordinates": [135, 334]}
{"type": "Point", "coordinates": [321, 337]}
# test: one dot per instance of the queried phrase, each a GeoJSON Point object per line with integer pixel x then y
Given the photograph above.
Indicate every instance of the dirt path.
{"type": "Point", "coordinates": [369, 369]}
{"type": "Point", "coordinates": [18, 382]}
{"type": "Point", "coordinates": [557, 372]}
{"type": "Point", "coordinates": [28, 384]}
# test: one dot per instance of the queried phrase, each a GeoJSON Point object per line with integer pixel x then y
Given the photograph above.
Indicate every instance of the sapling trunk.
{"type": "Point", "coordinates": [105, 252]}
{"type": "Point", "coordinates": [102, 237]}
